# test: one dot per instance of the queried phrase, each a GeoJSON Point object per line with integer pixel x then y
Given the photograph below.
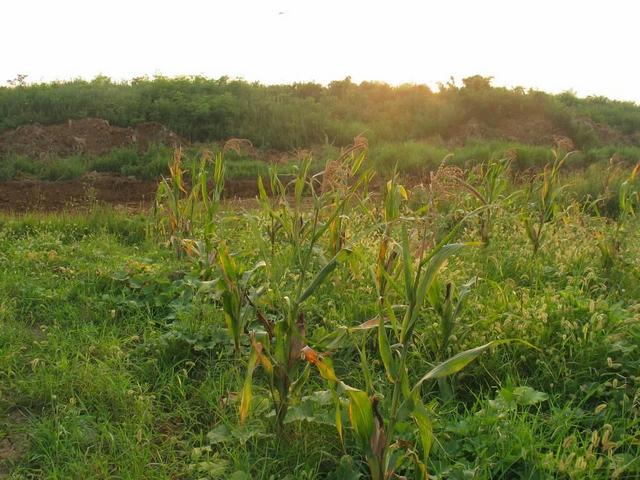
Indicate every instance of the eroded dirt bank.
{"type": "Point", "coordinates": [34, 195]}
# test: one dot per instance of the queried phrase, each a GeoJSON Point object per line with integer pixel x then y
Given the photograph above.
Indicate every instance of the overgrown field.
{"type": "Point", "coordinates": [412, 158]}
{"type": "Point", "coordinates": [483, 325]}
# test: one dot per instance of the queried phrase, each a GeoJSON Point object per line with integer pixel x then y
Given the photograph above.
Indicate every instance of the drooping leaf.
{"type": "Point", "coordinates": [258, 348]}
{"type": "Point", "coordinates": [461, 360]}
{"type": "Point", "coordinates": [323, 363]}
{"type": "Point", "coordinates": [247, 389]}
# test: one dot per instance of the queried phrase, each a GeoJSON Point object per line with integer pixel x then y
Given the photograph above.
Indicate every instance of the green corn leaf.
{"type": "Point", "coordinates": [434, 265]}
{"type": "Point", "coordinates": [338, 416]}
{"type": "Point", "coordinates": [227, 264]}
{"type": "Point", "coordinates": [322, 230]}
{"type": "Point", "coordinates": [364, 366]}
{"type": "Point", "coordinates": [361, 417]}
{"type": "Point", "coordinates": [322, 275]}
{"type": "Point", "coordinates": [407, 268]}
{"type": "Point", "coordinates": [385, 350]}
{"type": "Point", "coordinates": [425, 427]}
{"type": "Point", "coordinates": [358, 163]}
{"type": "Point", "coordinates": [281, 353]}
{"type": "Point", "coordinates": [461, 360]}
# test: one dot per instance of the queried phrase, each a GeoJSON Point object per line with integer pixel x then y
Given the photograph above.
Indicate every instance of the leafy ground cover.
{"type": "Point", "coordinates": [329, 332]}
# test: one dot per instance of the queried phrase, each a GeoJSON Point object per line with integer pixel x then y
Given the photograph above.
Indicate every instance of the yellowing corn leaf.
{"type": "Point", "coordinates": [247, 389]}
{"type": "Point", "coordinates": [323, 364]}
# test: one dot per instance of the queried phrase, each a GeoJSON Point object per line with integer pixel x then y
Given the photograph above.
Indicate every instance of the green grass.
{"type": "Point", "coordinates": [119, 364]}
{"type": "Point", "coordinates": [412, 158]}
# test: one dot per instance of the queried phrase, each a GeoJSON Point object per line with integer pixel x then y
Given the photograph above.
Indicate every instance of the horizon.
{"type": "Point", "coordinates": [432, 86]}
{"type": "Point", "coordinates": [552, 47]}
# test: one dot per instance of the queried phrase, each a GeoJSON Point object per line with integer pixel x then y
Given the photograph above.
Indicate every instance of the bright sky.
{"type": "Point", "coordinates": [588, 46]}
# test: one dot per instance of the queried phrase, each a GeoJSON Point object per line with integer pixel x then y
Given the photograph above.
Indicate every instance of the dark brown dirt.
{"type": "Point", "coordinates": [33, 195]}
{"type": "Point", "coordinates": [91, 136]}
{"type": "Point", "coordinates": [22, 196]}
{"type": "Point", "coordinates": [537, 130]}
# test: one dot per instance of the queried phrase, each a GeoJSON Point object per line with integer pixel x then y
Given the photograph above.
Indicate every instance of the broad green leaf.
{"type": "Point", "coordinates": [333, 340]}
{"type": "Point", "coordinates": [361, 417]}
{"type": "Point", "coordinates": [434, 265]}
{"type": "Point", "coordinates": [219, 434]}
{"type": "Point", "coordinates": [528, 396]}
{"type": "Point", "coordinates": [237, 434]}
{"type": "Point", "coordinates": [264, 198]}
{"type": "Point", "coordinates": [227, 264]}
{"type": "Point", "coordinates": [425, 427]}
{"type": "Point", "coordinates": [347, 470]}
{"type": "Point", "coordinates": [385, 350]}
{"type": "Point", "coordinates": [461, 360]}
{"type": "Point", "coordinates": [324, 273]}
{"type": "Point", "coordinates": [358, 163]}
{"type": "Point", "coordinates": [322, 230]}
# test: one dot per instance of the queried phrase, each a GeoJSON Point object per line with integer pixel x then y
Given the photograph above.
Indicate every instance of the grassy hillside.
{"type": "Point", "coordinates": [299, 115]}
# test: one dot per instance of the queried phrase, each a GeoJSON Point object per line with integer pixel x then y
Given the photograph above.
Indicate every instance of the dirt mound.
{"type": "Point", "coordinates": [534, 129]}
{"type": "Point", "coordinates": [148, 133]}
{"type": "Point", "coordinates": [91, 136]}
{"type": "Point", "coordinates": [607, 135]}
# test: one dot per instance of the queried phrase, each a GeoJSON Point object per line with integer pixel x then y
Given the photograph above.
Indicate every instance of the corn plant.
{"type": "Point", "coordinates": [609, 244]}
{"type": "Point", "coordinates": [629, 195]}
{"type": "Point", "coordinates": [278, 346]}
{"type": "Point", "coordinates": [543, 199]}
{"type": "Point", "coordinates": [447, 303]}
{"type": "Point", "coordinates": [380, 427]}
{"type": "Point", "coordinates": [490, 188]}
{"type": "Point", "coordinates": [238, 297]}
{"type": "Point", "coordinates": [185, 208]}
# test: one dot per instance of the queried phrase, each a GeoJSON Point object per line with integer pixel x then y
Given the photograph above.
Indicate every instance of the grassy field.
{"type": "Point", "coordinates": [411, 158]}
{"type": "Point", "coordinates": [329, 332]}
{"type": "Point", "coordinates": [411, 126]}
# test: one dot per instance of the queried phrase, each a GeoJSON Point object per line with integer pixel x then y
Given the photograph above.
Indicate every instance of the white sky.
{"type": "Point", "coordinates": [592, 47]}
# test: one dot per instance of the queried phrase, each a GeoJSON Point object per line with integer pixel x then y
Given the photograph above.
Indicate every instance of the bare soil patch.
{"type": "Point", "coordinates": [91, 136]}
{"type": "Point", "coordinates": [30, 195]}
{"type": "Point", "coordinates": [35, 195]}
{"type": "Point", "coordinates": [13, 443]}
